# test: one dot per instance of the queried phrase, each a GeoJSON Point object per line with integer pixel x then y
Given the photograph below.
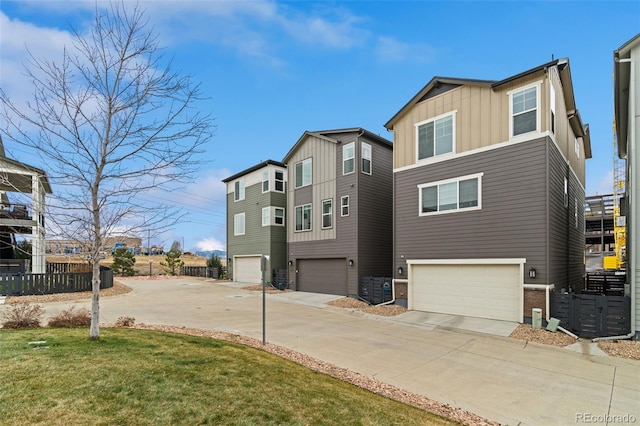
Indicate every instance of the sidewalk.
{"type": "Point", "coordinates": [499, 378]}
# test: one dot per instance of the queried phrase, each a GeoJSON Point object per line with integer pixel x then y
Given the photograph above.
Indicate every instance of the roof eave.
{"type": "Point", "coordinates": [253, 169]}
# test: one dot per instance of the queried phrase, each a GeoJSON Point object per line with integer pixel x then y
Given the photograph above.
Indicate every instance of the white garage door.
{"type": "Point", "coordinates": [247, 269]}
{"type": "Point", "coordinates": [476, 290]}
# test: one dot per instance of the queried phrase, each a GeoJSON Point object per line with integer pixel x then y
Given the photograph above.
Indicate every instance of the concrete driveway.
{"type": "Point", "coordinates": [493, 376]}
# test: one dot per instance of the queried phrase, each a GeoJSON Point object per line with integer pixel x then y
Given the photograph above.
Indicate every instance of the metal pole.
{"type": "Point", "coordinates": [264, 311]}
{"type": "Point", "coordinates": [149, 249]}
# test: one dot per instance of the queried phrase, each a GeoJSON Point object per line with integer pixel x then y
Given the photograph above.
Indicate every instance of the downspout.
{"type": "Point", "coordinates": [634, 202]}
{"type": "Point", "coordinates": [393, 293]}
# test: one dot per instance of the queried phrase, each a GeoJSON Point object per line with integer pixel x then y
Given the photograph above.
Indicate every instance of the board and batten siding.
{"type": "Point", "coordinates": [323, 175]}
{"type": "Point", "coordinates": [511, 223]}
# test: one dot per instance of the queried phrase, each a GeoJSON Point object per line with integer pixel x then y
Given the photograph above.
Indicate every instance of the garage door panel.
{"type": "Point", "coordinates": [487, 291]}
{"type": "Point", "coordinates": [247, 269]}
{"type": "Point", "coordinates": [327, 276]}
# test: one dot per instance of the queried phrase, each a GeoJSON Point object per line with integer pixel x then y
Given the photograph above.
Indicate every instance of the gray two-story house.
{"type": "Point", "coordinates": [489, 187]}
{"type": "Point", "coordinates": [339, 205]}
{"type": "Point", "coordinates": [256, 221]}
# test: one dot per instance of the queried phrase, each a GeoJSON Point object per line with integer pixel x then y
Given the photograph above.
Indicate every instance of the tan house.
{"type": "Point", "coordinates": [489, 187]}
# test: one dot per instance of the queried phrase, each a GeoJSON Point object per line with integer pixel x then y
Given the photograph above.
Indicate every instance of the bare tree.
{"type": "Point", "coordinates": [112, 121]}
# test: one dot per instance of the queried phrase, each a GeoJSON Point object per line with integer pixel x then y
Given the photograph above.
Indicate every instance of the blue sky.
{"type": "Point", "coordinates": [275, 69]}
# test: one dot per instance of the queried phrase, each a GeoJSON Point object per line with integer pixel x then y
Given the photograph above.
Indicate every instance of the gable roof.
{"type": "Point", "coordinates": [577, 126]}
{"type": "Point", "coordinates": [20, 182]}
{"type": "Point", "coordinates": [253, 169]}
{"type": "Point", "coordinates": [621, 82]}
{"type": "Point", "coordinates": [328, 135]}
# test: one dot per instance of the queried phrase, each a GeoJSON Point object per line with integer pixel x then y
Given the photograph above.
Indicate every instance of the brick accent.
{"type": "Point", "coordinates": [534, 299]}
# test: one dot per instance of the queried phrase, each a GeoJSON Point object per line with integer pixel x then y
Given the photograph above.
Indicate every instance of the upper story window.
{"type": "Point", "coordinates": [303, 217]}
{"type": "Point", "coordinates": [576, 147]}
{"type": "Point", "coordinates": [327, 214]}
{"type": "Point", "coordinates": [265, 181]}
{"type": "Point", "coordinates": [238, 224]}
{"type": "Point", "coordinates": [278, 216]}
{"type": "Point", "coordinates": [366, 158]}
{"type": "Point", "coordinates": [344, 206]}
{"type": "Point", "coordinates": [239, 190]}
{"type": "Point", "coordinates": [524, 111]}
{"type": "Point", "coordinates": [566, 192]}
{"type": "Point", "coordinates": [435, 136]}
{"type": "Point", "coordinates": [348, 158]}
{"type": "Point", "coordinates": [463, 193]}
{"type": "Point", "coordinates": [279, 181]}
{"type": "Point", "coordinates": [303, 173]}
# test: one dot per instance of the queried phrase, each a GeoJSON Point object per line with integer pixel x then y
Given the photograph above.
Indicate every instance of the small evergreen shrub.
{"type": "Point", "coordinates": [22, 315]}
{"type": "Point", "coordinates": [172, 262]}
{"type": "Point", "coordinates": [71, 318]}
{"type": "Point", "coordinates": [123, 261]}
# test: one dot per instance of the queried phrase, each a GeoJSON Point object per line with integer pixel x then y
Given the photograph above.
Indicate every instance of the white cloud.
{"type": "Point", "coordinates": [389, 49]}
{"type": "Point", "coordinates": [208, 244]}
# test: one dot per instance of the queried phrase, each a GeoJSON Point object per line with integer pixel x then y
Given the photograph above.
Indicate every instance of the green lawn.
{"type": "Point", "coordinates": [136, 377]}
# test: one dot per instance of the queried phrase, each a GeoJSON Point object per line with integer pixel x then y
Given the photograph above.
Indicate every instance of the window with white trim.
{"type": "Point", "coordinates": [348, 158]}
{"type": "Point", "coordinates": [303, 217]}
{"type": "Point", "coordinates": [452, 195]}
{"type": "Point", "coordinates": [327, 214]}
{"type": "Point", "coordinates": [576, 147]}
{"type": "Point", "coordinates": [344, 206]}
{"type": "Point", "coordinates": [366, 158]}
{"type": "Point", "coordinates": [279, 181]}
{"type": "Point", "coordinates": [265, 181]}
{"type": "Point", "coordinates": [238, 193]}
{"type": "Point", "coordinates": [265, 216]}
{"type": "Point", "coordinates": [435, 137]}
{"type": "Point", "coordinates": [303, 173]}
{"type": "Point", "coordinates": [238, 224]}
{"type": "Point", "coordinates": [575, 210]}
{"type": "Point", "coordinates": [278, 216]}
{"type": "Point", "coordinates": [524, 111]}
{"type": "Point", "coordinates": [566, 192]}
{"type": "Point", "coordinates": [552, 101]}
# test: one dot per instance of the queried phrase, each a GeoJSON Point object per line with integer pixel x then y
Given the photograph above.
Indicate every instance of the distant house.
{"type": "Point", "coordinates": [339, 205]}
{"type": "Point", "coordinates": [627, 117]}
{"type": "Point", "coordinates": [489, 189]}
{"type": "Point", "coordinates": [256, 221]}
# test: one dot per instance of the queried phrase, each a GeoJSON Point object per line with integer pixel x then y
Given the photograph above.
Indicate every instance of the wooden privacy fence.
{"type": "Point", "coordinates": [593, 315]}
{"type": "Point", "coordinates": [51, 283]}
{"type": "Point", "coordinates": [200, 271]}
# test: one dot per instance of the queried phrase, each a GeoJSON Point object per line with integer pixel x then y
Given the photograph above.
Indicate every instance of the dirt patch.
{"type": "Point", "coordinates": [118, 288]}
{"type": "Point", "coordinates": [359, 305]}
{"type": "Point", "coordinates": [365, 382]}
{"type": "Point", "coordinates": [628, 349]}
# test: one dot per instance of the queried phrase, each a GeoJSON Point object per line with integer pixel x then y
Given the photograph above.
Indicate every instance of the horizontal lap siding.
{"type": "Point", "coordinates": [511, 223]}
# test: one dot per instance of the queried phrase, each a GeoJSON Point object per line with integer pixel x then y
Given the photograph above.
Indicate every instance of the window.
{"type": "Point", "coordinates": [303, 217]}
{"type": "Point", "coordinates": [576, 147]}
{"type": "Point", "coordinates": [265, 181]}
{"type": "Point", "coordinates": [239, 190]}
{"type": "Point", "coordinates": [278, 217]}
{"type": "Point", "coordinates": [366, 158]}
{"type": "Point", "coordinates": [265, 216]}
{"type": "Point", "coordinates": [435, 137]}
{"type": "Point", "coordinates": [348, 158]}
{"type": "Point", "coordinates": [279, 184]}
{"type": "Point", "coordinates": [452, 195]}
{"type": "Point", "coordinates": [303, 173]}
{"type": "Point", "coordinates": [344, 206]}
{"type": "Point", "coordinates": [566, 193]}
{"type": "Point", "coordinates": [327, 214]}
{"type": "Point", "coordinates": [575, 210]}
{"type": "Point", "coordinates": [552, 101]}
{"type": "Point", "coordinates": [238, 224]}
{"type": "Point", "coordinates": [524, 110]}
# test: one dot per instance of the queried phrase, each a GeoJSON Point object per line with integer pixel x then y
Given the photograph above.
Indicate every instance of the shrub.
{"type": "Point", "coordinates": [71, 318]}
{"type": "Point", "coordinates": [123, 261]}
{"type": "Point", "coordinates": [172, 262]}
{"type": "Point", "coordinates": [125, 321]}
{"type": "Point", "coordinates": [22, 315]}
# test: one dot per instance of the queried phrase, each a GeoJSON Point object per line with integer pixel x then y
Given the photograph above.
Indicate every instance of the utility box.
{"type": "Point", "coordinates": [536, 318]}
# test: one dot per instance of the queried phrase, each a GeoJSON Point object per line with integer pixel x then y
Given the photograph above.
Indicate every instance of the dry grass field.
{"type": "Point", "coordinates": [142, 262]}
